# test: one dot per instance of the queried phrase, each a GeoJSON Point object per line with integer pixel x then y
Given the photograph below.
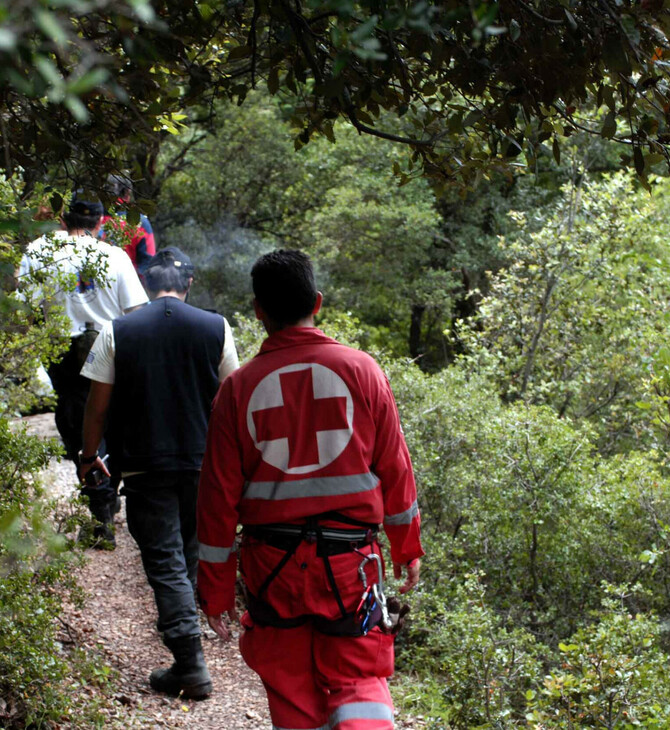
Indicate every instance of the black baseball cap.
{"type": "Point", "coordinates": [171, 255]}
{"type": "Point", "coordinates": [86, 207]}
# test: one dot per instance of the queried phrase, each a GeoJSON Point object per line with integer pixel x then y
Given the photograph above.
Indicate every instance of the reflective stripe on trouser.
{"type": "Point", "coordinates": [354, 711]}
{"type": "Point", "coordinates": [318, 682]}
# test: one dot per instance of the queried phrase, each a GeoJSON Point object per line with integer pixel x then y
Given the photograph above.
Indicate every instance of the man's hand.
{"type": "Point", "coordinates": [413, 572]}
{"type": "Point", "coordinates": [217, 624]}
{"type": "Point", "coordinates": [97, 464]}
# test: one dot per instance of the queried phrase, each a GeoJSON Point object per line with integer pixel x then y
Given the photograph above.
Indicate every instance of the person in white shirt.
{"type": "Point", "coordinates": [94, 282]}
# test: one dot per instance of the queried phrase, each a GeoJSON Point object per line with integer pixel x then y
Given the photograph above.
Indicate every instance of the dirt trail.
{"type": "Point", "coordinates": [118, 621]}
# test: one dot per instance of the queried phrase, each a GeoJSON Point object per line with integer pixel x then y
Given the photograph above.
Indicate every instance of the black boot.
{"type": "Point", "coordinates": [188, 676]}
{"type": "Point", "coordinates": [103, 533]}
{"type": "Point", "coordinates": [99, 534]}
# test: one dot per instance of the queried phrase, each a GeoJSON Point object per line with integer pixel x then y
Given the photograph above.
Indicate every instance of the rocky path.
{"type": "Point", "coordinates": [118, 622]}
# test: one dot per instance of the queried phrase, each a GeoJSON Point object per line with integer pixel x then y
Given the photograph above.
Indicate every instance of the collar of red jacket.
{"type": "Point", "coordinates": [294, 336]}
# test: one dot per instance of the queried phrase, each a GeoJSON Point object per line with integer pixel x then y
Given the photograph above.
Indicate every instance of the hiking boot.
{"type": "Point", "coordinates": [103, 537]}
{"type": "Point", "coordinates": [103, 532]}
{"type": "Point", "coordinates": [188, 676]}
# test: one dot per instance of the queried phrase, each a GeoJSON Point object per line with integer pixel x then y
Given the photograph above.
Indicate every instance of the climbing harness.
{"type": "Point", "coordinates": [329, 541]}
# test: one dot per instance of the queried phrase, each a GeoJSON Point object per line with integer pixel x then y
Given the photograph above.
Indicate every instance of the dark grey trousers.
{"type": "Point", "coordinates": [72, 391]}
{"type": "Point", "coordinates": [160, 508]}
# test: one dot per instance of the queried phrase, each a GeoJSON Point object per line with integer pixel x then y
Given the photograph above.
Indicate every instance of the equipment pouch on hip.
{"type": "Point", "coordinates": [82, 344]}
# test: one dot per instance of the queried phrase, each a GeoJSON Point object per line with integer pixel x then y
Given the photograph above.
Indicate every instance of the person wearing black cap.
{"type": "Point", "coordinates": [155, 373]}
{"type": "Point", "coordinates": [94, 282]}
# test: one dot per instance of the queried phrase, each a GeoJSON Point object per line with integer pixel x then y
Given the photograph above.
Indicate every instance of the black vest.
{"type": "Point", "coordinates": [166, 375]}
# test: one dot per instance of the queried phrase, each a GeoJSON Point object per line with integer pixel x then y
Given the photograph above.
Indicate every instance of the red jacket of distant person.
{"type": "Point", "coordinates": [141, 248]}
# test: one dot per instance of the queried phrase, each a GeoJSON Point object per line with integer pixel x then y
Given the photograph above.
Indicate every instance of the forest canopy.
{"type": "Point", "coordinates": [467, 87]}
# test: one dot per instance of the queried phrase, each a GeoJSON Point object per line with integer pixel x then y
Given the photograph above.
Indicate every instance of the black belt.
{"type": "Point", "coordinates": [347, 625]}
{"type": "Point", "coordinates": [329, 540]}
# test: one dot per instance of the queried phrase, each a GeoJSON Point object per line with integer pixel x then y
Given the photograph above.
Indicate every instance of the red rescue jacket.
{"type": "Point", "coordinates": [306, 427]}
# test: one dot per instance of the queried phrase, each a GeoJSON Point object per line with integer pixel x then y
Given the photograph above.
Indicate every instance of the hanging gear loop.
{"type": "Point", "coordinates": [373, 595]}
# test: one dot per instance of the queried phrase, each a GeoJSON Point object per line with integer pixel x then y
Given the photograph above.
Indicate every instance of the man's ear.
{"type": "Point", "coordinates": [258, 310]}
{"type": "Point", "coordinates": [318, 303]}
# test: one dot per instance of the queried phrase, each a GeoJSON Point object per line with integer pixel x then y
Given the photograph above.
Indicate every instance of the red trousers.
{"type": "Point", "coordinates": [314, 681]}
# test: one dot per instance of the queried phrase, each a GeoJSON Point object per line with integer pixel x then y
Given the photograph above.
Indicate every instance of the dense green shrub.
{"type": "Point", "coordinates": [465, 668]}
{"type": "Point", "coordinates": [520, 497]}
{"type": "Point", "coordinates": [36, 563]}
{"type": "Point", "coordinates": [612, 674]}
{"type": "Point", "coordinates": [575, 319]}
{"type": "Point", "coordinates": [520, 494]}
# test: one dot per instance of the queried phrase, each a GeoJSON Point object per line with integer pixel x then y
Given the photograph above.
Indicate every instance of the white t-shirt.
{"type": "Point", "coordinates": [99, 365]}
{"type": "Point", "coordinates": [98, 300]}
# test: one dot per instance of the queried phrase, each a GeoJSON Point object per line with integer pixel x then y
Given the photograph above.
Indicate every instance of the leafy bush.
{"type": "Point", "coordinates": [462, 668]}
{"type": "Point", "coordinates": [472, 671]}
{"type": "Point", "coordinates": [36, 563]}
{"type": "Point", "coordinates": [612, 674]}
{"type": "Point", "coordinates": [575, 318]}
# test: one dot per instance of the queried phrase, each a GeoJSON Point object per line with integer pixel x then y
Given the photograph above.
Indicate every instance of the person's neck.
{"type": "Point", "coordinates": [79, 232]}
{"type": "Point", "coordinates": [271, 328]}
{"type": "Point", "coordinates": [177, 294]}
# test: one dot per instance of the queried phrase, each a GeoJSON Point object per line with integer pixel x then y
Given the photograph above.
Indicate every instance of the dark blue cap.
{"type": "Point", "coordinates": [172, 256]}
{"type": "Point", "coordinates": [86, 207]}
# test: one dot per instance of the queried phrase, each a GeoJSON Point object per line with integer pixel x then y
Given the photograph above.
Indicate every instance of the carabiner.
{"type": "Point", "coordinates": [378, 587]}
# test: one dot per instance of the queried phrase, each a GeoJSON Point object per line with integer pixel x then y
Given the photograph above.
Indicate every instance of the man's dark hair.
{"type": "Point", "coordinates": [284, 286]}
{"type": "Point", "coordinates": [169, 270]}
{"type": "Point", "coordinates": [83, 214]}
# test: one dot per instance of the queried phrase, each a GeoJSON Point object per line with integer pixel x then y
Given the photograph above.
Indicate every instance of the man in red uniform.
{"type": "Point", "coordinates": [305, 450]}
{"type": "Point", "coordinates": [142, 246]}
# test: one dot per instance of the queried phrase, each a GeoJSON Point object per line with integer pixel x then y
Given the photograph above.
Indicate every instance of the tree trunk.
{"type": "Point", "coordinates": [415, 330]}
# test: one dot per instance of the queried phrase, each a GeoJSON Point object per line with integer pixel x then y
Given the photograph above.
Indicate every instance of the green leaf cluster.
{"type": "Point", "coordinates": [575, 318]}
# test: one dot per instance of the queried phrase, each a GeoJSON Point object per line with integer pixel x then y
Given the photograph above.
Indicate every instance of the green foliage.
{"type": "Point", "coordinates": [249, 334]}
{"type": "Point", "coordinates": [613, 674]}
{"type": "Point", "coordinates": [465, 668]}
{"type": "Point", "coordinates": [94, 86]}
{"type": "Point", "coordinates": [86, 86]}
{"type": "Point", "coordinates": [517, 493]}
{"type": "Point", "coordinates": [36, 563]}
{"type": "Point", "coordinates": [574, 319]}
{"type": "Point", "coordinates": [20, 456]}
{"type": "Point", "coordinates": [466, 86]}
{"type": "Point", "coordinates": [406, 264]}
{"type": "Point", "coordinates": [374, 243]}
